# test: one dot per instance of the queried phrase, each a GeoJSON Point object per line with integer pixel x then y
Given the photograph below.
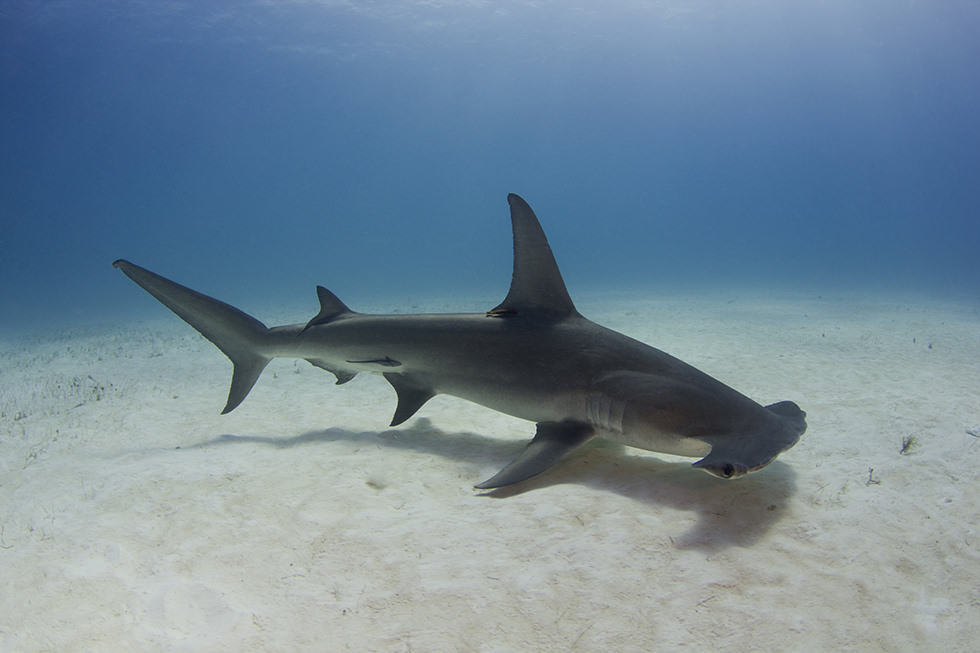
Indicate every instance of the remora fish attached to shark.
{"type": "Point", "coordinates": [533, 356]}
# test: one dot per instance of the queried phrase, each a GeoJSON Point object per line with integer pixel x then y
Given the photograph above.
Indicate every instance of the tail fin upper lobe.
{"type": "Point", "coordinates": [235, 333]}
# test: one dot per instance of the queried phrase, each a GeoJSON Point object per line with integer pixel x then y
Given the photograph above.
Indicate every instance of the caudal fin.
{"type": "Point", "coordinates": [235, 333]}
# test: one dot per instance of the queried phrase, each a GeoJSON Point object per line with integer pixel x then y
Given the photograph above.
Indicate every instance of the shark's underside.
{"type": "Point", "coordinates": [533, 356]}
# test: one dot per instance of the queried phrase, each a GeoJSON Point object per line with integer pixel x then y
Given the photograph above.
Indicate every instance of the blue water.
{"type": "Point", "coordinates": [253, 149]}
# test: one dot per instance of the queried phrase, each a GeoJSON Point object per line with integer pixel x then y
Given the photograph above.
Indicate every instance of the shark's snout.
{"type": "Point", "coordinates": [735, 457]}
{"type": "Point", "coordinates": [792, 414]}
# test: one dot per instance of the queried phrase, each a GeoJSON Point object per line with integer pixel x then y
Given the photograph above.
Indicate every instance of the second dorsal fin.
{"type": "Point", "coordinates": [536, 287]}
{"type": "Point", "coordinates": [330, 308]}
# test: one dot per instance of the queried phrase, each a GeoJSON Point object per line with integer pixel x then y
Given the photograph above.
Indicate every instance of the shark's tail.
{"type": "Point", "coordinates": [238, 335]}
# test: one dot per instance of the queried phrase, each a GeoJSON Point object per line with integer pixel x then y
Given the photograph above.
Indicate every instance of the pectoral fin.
{"type": "Point", "coordinates": [552, 442]}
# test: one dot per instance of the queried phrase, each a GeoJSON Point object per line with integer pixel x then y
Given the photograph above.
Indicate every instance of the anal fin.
{"type": "Point", "coordinates": [552, 442]}
{"type": "Point", "coordinates": [343, 376]}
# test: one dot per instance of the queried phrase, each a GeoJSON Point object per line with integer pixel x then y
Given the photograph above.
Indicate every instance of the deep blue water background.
{"type": "Point", "coordinates": [253, 149]}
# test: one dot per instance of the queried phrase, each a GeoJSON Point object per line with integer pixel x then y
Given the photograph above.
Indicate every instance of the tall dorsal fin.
{"type": "Point", "coordinates": [536, 287]}
{"type": "Point", "coordinates": [330, 308]}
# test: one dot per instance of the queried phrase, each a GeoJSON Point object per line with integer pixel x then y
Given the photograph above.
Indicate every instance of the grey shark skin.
{"type": "Point", "coordinates": [533, 356]}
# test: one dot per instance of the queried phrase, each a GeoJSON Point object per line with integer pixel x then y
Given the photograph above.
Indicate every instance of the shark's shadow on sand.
{"type": "Point", "coordinates": [729, 513]}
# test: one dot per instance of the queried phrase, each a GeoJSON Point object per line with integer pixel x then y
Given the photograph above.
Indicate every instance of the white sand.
{"type": "Point", "coordinates": [132, 514]}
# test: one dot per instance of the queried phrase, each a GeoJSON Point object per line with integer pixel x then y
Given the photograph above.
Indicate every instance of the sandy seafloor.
{"type": "Point", "coordinates": [132, 514]}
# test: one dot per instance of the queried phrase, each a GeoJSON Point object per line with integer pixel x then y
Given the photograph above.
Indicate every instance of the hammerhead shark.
{"type": "Point", "coordinates": [533, 356]}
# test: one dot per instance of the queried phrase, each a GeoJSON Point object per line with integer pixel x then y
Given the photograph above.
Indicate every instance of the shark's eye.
{"type": "Point", "coordinates": [728, 470]}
